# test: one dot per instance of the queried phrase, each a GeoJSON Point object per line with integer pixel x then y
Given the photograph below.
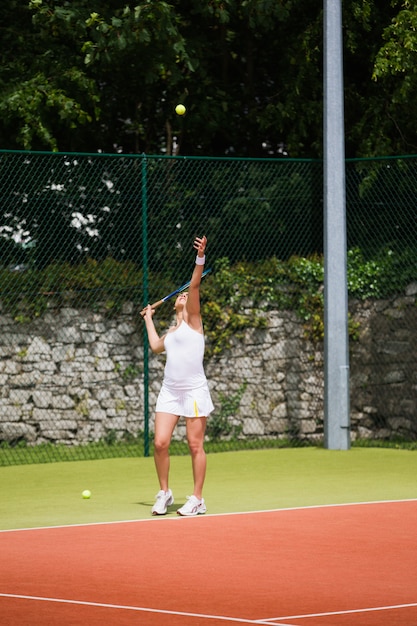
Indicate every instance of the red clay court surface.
{"type": "Point", "coordinates": [319, 566]}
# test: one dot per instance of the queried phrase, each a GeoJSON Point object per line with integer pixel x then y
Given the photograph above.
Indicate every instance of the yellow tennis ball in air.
{"type": "Point", "coordinates": [86, 494]}
{"type": "Point", "coordinates": [180, 109]}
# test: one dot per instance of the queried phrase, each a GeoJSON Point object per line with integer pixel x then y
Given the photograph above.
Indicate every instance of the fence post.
{"type": "Point", "coordinates": [145, 280]}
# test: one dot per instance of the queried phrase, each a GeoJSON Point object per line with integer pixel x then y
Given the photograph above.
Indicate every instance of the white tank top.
{"type": "Point", "coordinates": [185, 353]}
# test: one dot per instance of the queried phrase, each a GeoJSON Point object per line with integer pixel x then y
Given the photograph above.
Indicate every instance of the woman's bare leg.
{"type": "Point", "coordinates": [164, 427]}
{"type": "Point", "coordinates": [196, 428]}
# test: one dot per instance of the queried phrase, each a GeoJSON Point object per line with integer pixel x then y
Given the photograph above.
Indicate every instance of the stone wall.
{"type": "Point", "coordinates": [384, 367]}
{"type": "Point", "coordinates": [76, 376]}
{"type": "Point", "coordinates": [71, 376]}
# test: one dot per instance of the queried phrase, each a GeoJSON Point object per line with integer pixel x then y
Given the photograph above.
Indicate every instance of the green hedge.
{"type": "Point", "coordinates": [234, 296]}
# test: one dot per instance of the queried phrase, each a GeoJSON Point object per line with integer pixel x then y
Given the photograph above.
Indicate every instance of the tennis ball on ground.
{"type": "Point", "coordinates": [180, 109]}
{"type": "Point", "coordinates": [86, 494]}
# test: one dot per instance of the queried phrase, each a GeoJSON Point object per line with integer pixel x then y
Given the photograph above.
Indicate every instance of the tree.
{"type": "Point", "coordinates": [395, 71]}
{"type": "Point", "coordinates": [43, 93]}
{"type": "Point", "coordinates": [116, 71]}
{"type": "Point", "coordinates": [91, 75]}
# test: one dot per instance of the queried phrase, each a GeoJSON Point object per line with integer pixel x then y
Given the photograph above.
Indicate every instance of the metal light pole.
{"type": "Point", "coordinates": [336, 340]}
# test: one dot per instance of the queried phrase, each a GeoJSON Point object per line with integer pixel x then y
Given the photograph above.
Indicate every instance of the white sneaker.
{"type": "Point", "coordinates": [163, 500]}
{"type": "Point", "coordinates": [193, 506]}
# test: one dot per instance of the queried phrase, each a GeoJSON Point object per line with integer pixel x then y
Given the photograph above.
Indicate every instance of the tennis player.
{"type": "Point", "coordinates": [184, 390]}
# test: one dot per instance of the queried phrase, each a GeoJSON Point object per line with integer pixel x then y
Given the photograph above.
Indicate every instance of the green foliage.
{"type": "Point", "coordinates": [113, 445]}
{"type": "Point", "coordinates": [131, 372]}
{"type": "Point", "coordinates": [23, 104]}
{"type": "Point", "coordinates": [127, 446]}
{"type": "Point", "coordinates": [26, 295]}
{"type": "Point", "coordinates": [388, 272]}
{"type": "Point", "coordinates": [309, 272]}
{"type": "Point", "coordinates": [294, 285]}
{"type": "Point", "coordinates": [131, 446]}
{"type": "Point", "coordinates": [237, 297]}
{"type": "Point", "coordinates": [249, 72]}
{"type": "Point", "coordinates": [224, 313]}
{"type": "Point", "coordinates": [398, 443]}
{"type": "Point", "coordinates": [234, 298]}
{"type": "Point", "coordinates": [398, 55]}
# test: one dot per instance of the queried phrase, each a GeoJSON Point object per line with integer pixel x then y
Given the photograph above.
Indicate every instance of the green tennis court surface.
{"type": "Point", "coordinates": [124, 489]}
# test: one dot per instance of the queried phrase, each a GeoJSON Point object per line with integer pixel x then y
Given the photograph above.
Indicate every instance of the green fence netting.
{"type": "Point", "coordinates": [87, 239]}
{"type": "Point", "coordinates": [382, 282]}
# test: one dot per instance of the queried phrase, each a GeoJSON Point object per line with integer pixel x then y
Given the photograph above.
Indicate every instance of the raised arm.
{"type": "Point", "coordinates": [193, 300]}
{"type": "Point", "coordinates": [156, 342]}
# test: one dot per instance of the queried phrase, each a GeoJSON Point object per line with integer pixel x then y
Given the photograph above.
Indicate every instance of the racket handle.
{"type": "Point", "coordinates": [153, 306]}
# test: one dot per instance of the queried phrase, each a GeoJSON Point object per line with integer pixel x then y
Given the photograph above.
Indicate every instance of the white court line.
{"type": "Point", "coordinates": [176, 518]}
{"type": "Point", "coordinates": [272, 622]}
{"type": "Point", "coordinates": [264, 621]}
{"type": "Point", "coordinates": [139, 609]}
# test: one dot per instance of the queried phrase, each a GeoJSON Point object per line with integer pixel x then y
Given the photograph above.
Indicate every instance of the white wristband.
{"type": "Point", "coordinates": [200, 260]}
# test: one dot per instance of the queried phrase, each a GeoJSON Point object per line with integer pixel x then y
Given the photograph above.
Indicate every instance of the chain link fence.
{"type": "Point", "coordinates": [382, 282]}
{"type": "Point", "coordinates": [87, 239]}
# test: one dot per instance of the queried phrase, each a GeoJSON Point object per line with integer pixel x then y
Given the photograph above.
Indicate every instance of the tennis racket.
{"type": "Point", "coordinates": [174, 293]}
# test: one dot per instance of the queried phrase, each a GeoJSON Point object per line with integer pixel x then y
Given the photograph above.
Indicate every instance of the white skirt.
{"type": "Point", "coordinates": [185, 402]}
